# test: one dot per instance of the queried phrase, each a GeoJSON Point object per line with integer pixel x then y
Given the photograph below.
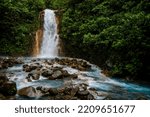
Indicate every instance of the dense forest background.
{"type": "Point", "coordinates": [113, 34]}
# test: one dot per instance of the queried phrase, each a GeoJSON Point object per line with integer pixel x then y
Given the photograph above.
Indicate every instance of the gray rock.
{"type": "Point", "coordinates": [46, 72]}
{"type": "Point", "coordinates": [29, 68]}
{"type": "Point", "coordinates": [90, 97]}
{"type": "Point", "coordinates": [65, 73]}
{"type": "Point", "coordinates": [83, 93]}
{"type": "Point", "coordinates": [28, 91]}
{"type": "Point", "coordinates": [53, 91]}
{"type": "Point", "coordinates": [34, 76]}
{"type": "Point", "coordinates": [73, 76]}
{"type": "Point", "coordinates": [74, 91]}
{"type": "Point", "coordinates": [57, 74]}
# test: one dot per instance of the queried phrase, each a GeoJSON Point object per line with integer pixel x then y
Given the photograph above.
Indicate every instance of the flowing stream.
{"type": "Point", "coordinates": [106, 88]}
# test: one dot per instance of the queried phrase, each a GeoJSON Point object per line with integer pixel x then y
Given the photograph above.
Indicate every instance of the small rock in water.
{"type": "Point", "coordinates": [46, 72]}
{"type": "Point", "coordinates": [34, 76]}
{"type": "Point", "coordinates": [57, 74]}
{"type": "Point", "coordinates": [29, 68]}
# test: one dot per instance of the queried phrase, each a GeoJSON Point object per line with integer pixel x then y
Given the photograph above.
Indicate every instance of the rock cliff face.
{"type": "Point", "coordinates": [38, 35]}
{"type": "Point", "coordinates": [37, 41]}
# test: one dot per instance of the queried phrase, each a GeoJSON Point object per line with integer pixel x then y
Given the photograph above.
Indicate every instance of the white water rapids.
{"type": "Point", "coordinates": [50, 36]}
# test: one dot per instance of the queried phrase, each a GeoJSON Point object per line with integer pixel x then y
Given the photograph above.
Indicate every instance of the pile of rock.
{"type": "Point", "coordinates": [76, 92]}
{"type": "Point", "coordinates": [51, 69]}
{"type": "Point", "coordinates": [35, 70]}
{"type": "Point", "coordinates": [79, 64]}
{"type": "Point", "coordinates": [8, 62]}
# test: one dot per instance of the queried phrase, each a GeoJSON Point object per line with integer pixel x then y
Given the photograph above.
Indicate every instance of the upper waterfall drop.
{"type": "Point", "coordinates": [49, 46]}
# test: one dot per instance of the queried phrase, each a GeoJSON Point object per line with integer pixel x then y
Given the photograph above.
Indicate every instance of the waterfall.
{"type": "Point", "coordinates": [50, 37]}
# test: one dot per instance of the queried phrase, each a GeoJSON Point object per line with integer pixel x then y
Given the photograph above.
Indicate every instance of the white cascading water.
{"type": "Point", "coordinates": [50, 37]}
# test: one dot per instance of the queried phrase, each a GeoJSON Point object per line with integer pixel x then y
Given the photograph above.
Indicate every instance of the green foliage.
{"type": "Point", "coordinates": [111, 33]}
{"type": "Point", "coordinates": [19, 19]}
{"type": "Point", "coordinates": [58, 4]}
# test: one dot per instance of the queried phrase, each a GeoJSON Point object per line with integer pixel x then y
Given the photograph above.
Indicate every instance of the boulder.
{"type": "Point", "coordinates": [74, 91]}
{"type": "Point", "coordinates": [28, 79]}
{"type": "Point", "coordinates": [9, 88]}
{"type": "Point", "coordinates": [83, 87]}
{"type": "Point", "coordinates": [67, 90]}
{"type": "Point", "coordinates": [44, 90]}
{"type": "Point", "coordinates": [34, 76]}
{"type": "Point", "coordinates": [8, 62]}
{"type": "Point", "coordinates": [65, 73]}
{"type": "Point", "coordinates": [83, 95]}
{"type": "Point", "coordinates": [46, 72]}
{"type": "Point", "coordinates": [53, 91]}
{"type": "Point", "coordinates": [29, 68]}
{"type": "Point", "coordinates": [73, 76]}
{"type": "Point", "coordinates": [90, 97]}
{"type": "Point", "coordinates": [67, 97]}
{"type": "Point", "coordinates": [28, 91]}
{"type": "Point", "coordinates": [57, 74]}
{"type": "Point", "coordinates": [39, 88]}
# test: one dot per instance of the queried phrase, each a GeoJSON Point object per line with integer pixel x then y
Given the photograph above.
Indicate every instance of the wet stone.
{"type": "Point", "coordinates": [27, 91]}
{"type": "Point", "coordinates": [53, 91]}
{"type": "Point", "coordinates": [39, 88]}
{"type": "Point", "coordinates": [33, 76]}
{"type": "Point", "coordinates": [9, 88]}
{"type": "Point", "coordinates": [46, 72]}
{"type": "Point", "coordinates": [74, 91]}
{"type": "Point", "coordinates": [45, 90]}
{"type": "Point", "coordinates": [67, 90]}
{"type": "Point", "coordinates": [83, 93]}
{"type": "Point", "coordinates": [67, 97]}
{"type": "Point", "coordinates": [57, 74]}
{"type": "Point", "coordinates": [90, 97]}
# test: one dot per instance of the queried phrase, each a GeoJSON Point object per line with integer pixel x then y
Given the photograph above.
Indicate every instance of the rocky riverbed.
{"type": "Point", "coordinates": [43, 69]}
{"type": "Point", "coordinates": [61, 79]}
